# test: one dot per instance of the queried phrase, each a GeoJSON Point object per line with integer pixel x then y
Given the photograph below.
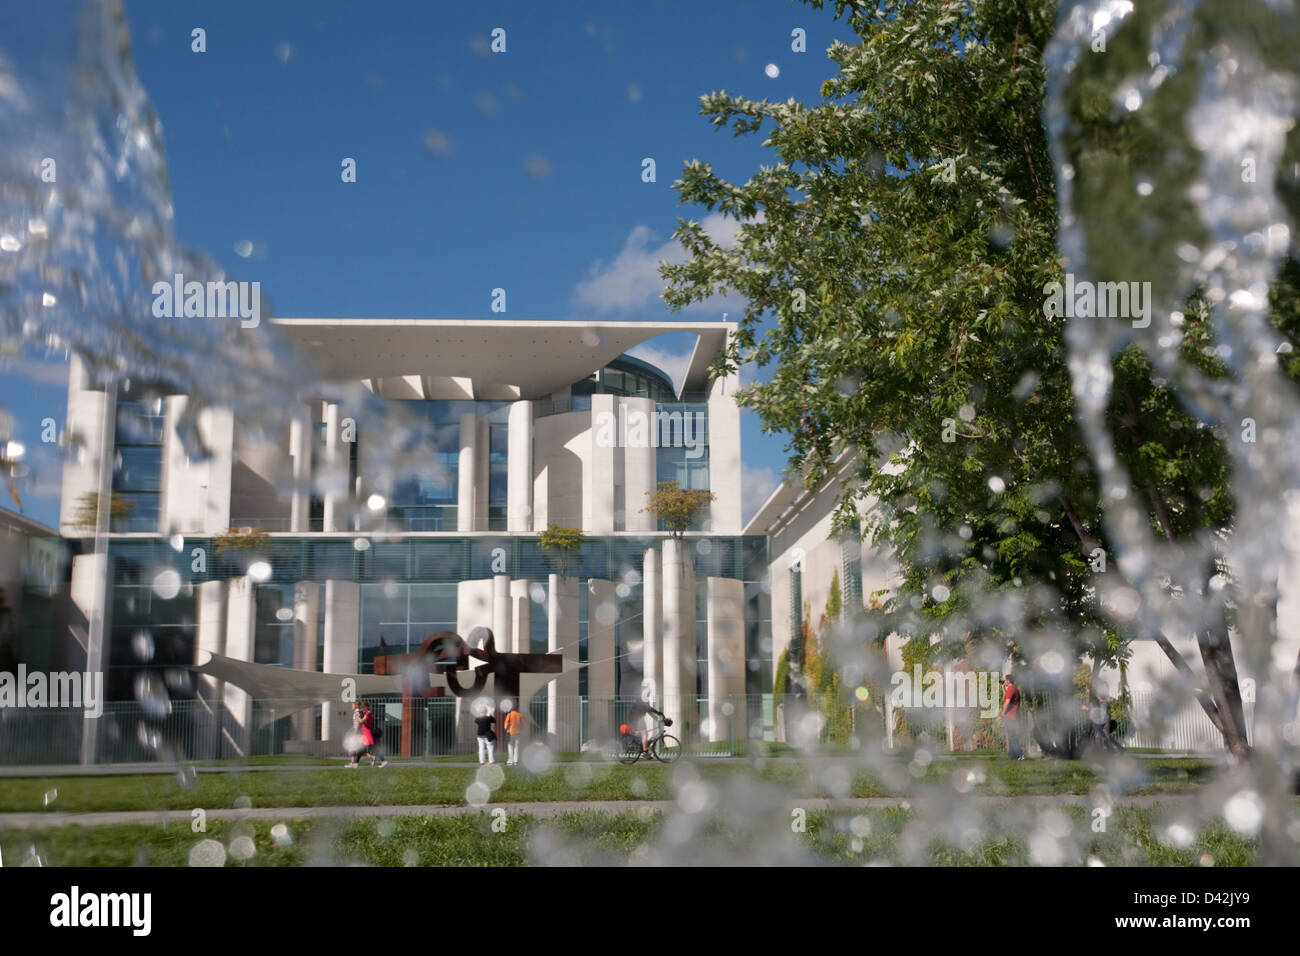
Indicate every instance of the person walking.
{"type": "Point", "coordinates": [514, 723]}
{"type": "Point", "coordinates": [487, 737]}
{"type": "Point", "coordinates": [370, 734]}
{"type": "Point", "coordinates": [1011, 718]}
{"type": "Point", "coordinates": [354, 740]}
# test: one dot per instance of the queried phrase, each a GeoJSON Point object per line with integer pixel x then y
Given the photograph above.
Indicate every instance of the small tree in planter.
{"type": "Point", "coordinates": [242, 539]}
{"type": "Point", "coordinates": [677, 507]}
{"type": "Point", "coordinates": [86, 514]}
{"type": "Point", "coordinates": [564, 546]}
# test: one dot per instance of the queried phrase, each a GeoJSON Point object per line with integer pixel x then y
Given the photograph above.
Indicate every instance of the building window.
{"type": "Point", "coordinates": [498, 475]}
{"type": "Point", "coordinates": [137, 464]}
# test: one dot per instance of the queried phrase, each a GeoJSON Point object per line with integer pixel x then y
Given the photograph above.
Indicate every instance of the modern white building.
{"type": "Point", "coordinates": [531, 424]}
{"type": "Point", "coordinates": [804, 556]}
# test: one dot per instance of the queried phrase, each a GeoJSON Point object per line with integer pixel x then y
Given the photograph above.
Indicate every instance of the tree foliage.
{"type": "Point", "coordinates": [564, 545]}
{"type": "Point", "coordinates": [246, 539]}
{"type": "Point", "coordinates": [893, 260]}
{"type": "Point", "coordinates": [86, 513]}
{"type": "Point", "coordinates": [677, 507]}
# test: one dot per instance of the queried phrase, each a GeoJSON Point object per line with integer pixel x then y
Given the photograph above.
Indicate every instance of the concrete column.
{"type": "Point", "coordinates": [640, 465]}
{"type": "Point", "coordinates": [724, 455]}
{"type": "Point", "coordinates": [726, 657]}
{"type": "Point", "coordinates": [474, 608]}
{"type": "Point", "coordinates": [211, 613]}
{"type": "Point", "coordinates": [301, 437]}
{"type": "Point", "coordinates": [652, 623]}
{"type": "Point", "coordinates": [519, 457]}
{"type": "Point", "coordinates": [674, 686]}
{"type": "Point", "coordinates": [602, 666]}
{"type": "Point", "coordinates": [521, 618]}
{"type": "Point", "coordinates": [501, 611]}
{"type": "Point", "coordinates": [336, 479]}
{"type": "Point", "coordinates": [306, 614]}
{"type": "Point", "coordinates": [342, 642]}
{"type": "Point", "coordinates": [194, 497]}
{"type": "Point", "coordinates": [482, 475]}
{"type": "Point", "coordinates": [598, 476]}
{"type": "Point", "coordinates": [562, 638]}
{"type": "Point", "coordinates": [241, 622]}
{"type": "Point", "coordinates": [467, 482]}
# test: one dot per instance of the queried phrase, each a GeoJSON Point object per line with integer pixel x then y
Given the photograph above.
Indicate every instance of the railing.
{"type": "Point", "coordinates": [195, 730]}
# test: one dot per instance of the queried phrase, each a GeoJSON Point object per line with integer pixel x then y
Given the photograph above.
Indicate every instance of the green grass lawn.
{"type": "Point", "coordinates": [594, 839]}
{"type": "Point", "coordinates": [586, 781]}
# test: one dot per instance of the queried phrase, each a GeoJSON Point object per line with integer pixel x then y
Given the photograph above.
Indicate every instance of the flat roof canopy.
{"type": "Point", "coordinates": [497, 358]}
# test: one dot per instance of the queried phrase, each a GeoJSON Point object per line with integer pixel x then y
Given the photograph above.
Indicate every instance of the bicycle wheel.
{"type": "Point", "coordinates": [629, 750]}
{"type": "Point", "coordinates": [668, 749]}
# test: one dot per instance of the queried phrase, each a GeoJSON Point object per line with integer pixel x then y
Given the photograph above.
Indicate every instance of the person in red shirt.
{"type": "Point", "coordinates": [1011, 718]}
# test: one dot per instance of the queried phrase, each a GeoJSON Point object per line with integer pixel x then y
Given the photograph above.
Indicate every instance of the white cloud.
{"type": "Point", "coordinates": [631, 279]}
{"type": "Point", "coordinates": [673, 364]}
{"type": "Point", "coordinates": [51, 372]}
{"type": "Point", "coordinates": [757, 482]}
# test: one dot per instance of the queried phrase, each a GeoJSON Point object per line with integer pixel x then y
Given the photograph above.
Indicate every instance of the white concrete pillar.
{"type": "Point", "coordinates": [599, 474]}
{"type": "Point", "coordinates": [562, 711]}
{"type": "Point", "coordinates": [724, 456]}
{"type": "Point", "coordinates": [521, 618]}
{"type": "Point", "coordinates": [640, 466]}
{"type": "Point", "coordinates": [501, 611]}
{"type": "Point", "coordinates": [306, 615]}
{"type": "Point", "coordinates": [474, 608]}
{"type": "Point", "coordinates": [301, 440]}
{"type": "Point", "coordinates": [602, 667]}
{"type": "Point", "coordinates": [467, 482]}
{"type": "Point", "coordinates": [674, 686]}
{"type": "Point", "coordinates": [211, 637]}
{"type": "Point", "coordinates": [194, 496]}
{"type": "Point", "coordinates": [334, 485]}
{"type": "Point", "coordinates": [342, 643]}
{"type": "Point", "coordinates": [241, 623]}
{"type": "Point", "coordinates": [726, 657]}
{"type": "Point", "coordinates": [652, 624]}
{"type": "Point", "coordinates": [519, 480]}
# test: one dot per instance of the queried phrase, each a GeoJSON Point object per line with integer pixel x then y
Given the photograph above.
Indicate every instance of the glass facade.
{"type": "Point", "coordinates": [683, 453]}
{"type": "Point", "coordinates": [429, 501]}
{"type": "Point", "coordinates": [408, 591]}
{"type": "Point", "coordinates": [137, 465]}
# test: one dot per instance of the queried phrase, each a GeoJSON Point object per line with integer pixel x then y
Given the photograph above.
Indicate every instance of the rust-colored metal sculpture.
{"type": "Point", "coordinates": [446, 653]}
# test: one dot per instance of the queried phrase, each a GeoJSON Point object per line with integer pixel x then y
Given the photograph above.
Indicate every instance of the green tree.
{"type": "Point", "coordinates": [677, 507]}
{"type": "Point", "coordinates": [893, 259]}
{"type": "Point", "coordinates": [245, 539]}
{"type": "Point", "coordinates": [86, 512]}
{"type": "Point", "coordinates": [563, 544]}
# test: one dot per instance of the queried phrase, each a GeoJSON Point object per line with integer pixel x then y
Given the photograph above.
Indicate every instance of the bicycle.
{"type": "Point", "coordinates": [663, 747]}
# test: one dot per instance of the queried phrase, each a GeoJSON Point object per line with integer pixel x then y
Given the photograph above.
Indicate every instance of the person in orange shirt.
{"type": "Point", "coordinates": [514, 723]}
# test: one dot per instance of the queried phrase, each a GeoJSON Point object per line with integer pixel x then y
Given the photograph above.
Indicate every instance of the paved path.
{"type": "Point", "coordinates": [25, 821]}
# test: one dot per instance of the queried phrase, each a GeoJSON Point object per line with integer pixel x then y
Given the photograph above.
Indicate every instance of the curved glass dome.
{"type": "Point", "coordinates": [628, 376]}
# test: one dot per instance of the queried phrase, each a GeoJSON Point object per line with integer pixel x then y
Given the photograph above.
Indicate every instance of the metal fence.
{"type": "Point", "coordinates": [194, 730]}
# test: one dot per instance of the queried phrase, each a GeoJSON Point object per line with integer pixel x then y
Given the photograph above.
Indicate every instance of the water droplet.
{"type": "Point", "coordinates": [208, 853]}
{"type": "Point", "coordinates": [167, 584]}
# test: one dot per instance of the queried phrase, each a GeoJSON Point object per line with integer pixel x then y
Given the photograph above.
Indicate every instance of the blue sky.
{"type": "Point", "coordinates": [475, 170]}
